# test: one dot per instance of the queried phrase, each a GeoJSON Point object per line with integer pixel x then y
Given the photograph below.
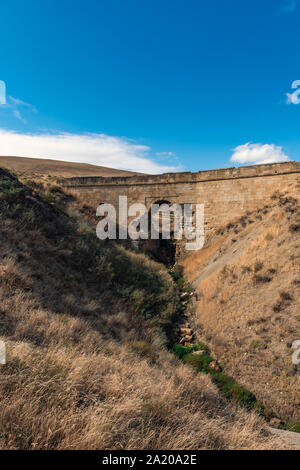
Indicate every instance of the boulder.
{"type": "Point", "coordinates": [275, 422]}
{"type": "Point", "coordinates": [214, 366]}
{"type": "Point", "coordinates": [188, 337]}
{"type": "Point", "coordinates": [186, 331]}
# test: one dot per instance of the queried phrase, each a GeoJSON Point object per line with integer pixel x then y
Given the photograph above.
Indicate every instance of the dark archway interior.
{"type": "Point", "coordinates": [163, 251]}
{"type": "Point", "coordinates": [166, 251]}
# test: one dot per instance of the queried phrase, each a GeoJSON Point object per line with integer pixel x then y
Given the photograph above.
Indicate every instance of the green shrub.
{"type": "Point", "coordinates": [227, 385]}
{"type": "Point", "coordinates": [48, 197]}
{"type": "Point", "coordinates": [232, 389]}
{"type": "Point", "coordinates": [293, 426]}
{"type": "Point", "coordinates": [32, 184]}
{"type": "Point", "coordinates": [200, 363]}
{"type": "Point", "coordinates": [104, 269]}
{"type": "Point", "coordinates": [28, 217]}
{"type": "Point", "coordinates": [177, 272]}
{"type": "Point", "coordinates": [182, 351]}
{"type": "Point", "coordinates": [11, 190]}
{"type": "Point", "coordinates": [53, 189]}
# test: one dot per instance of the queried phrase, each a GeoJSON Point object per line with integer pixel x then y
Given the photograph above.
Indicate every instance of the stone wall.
{"type": "Point", "coordinates": [226, 193]}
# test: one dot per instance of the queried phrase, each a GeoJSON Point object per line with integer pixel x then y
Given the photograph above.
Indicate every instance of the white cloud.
{"type": "Point", "coordinates": [97, 149]}
{"type": "Point", "coordinates": [165, 154]}
{"type": "Point", "coordinates": [258, 153]}
{"type": "Point", "coordinates": [16, 105]}
{"type": "Point", "coordinates": [289, 6]}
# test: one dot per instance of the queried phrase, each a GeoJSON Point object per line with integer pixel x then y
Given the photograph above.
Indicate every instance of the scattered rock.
{"type": "Point", "coordinates": [188, 337]}
{"type": "Point", "coordinates": [184, 295]}
{"type": "Point", "coordinates": [275, 423]}
{"type": "Point", "coordinates": [214, 366]}
{"type": "Point", "coordinates": [198, 353]}
{"type": "Point", "coordinates": [183, 332]}
{"type": "Point", "coordinates": [186, 331]}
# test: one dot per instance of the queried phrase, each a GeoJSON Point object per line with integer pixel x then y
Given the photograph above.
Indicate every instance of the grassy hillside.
{"type": "Point", "coordinates": [40, 166]}
{"type": "Point", "coordinates": [85, 325]}
{"type": "Point", "coordinates": [248, 283]}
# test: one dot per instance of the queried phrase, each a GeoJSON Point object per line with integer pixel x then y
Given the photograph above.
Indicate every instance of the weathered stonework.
{"type": "Point", "coordinates": [226, 193]}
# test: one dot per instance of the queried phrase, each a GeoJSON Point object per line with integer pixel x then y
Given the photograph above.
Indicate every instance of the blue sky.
{"type": "Point", "coordinates": [151, 85]}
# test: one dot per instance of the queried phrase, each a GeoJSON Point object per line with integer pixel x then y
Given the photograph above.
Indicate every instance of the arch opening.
{"type": "Point", "coordinates": [161, 249]}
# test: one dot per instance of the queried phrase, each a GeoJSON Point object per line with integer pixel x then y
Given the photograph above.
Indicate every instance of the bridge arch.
{"type": "Point", "coordinates": [163, 249]}
{"type": "Point", "coordinates": [226, 193]}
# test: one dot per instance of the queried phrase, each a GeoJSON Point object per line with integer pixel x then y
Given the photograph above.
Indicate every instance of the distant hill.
{"type": "Point", "coordinates": [41, 166]}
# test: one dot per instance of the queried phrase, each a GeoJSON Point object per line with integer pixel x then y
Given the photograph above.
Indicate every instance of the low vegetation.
{"type": "Point", "coordinates": [85, 325]}
{"type": "Point", "coordinates": [205, 363]}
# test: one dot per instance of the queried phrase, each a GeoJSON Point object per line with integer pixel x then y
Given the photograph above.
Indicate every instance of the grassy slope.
{"type": "Point", "coordinates": [84, 323]}
{"type": "Point", "coordinates": [40, 166]}
{"type": "Point", "coordinates": [248, 280]}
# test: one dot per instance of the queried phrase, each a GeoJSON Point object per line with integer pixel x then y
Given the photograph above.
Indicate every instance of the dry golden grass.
{"type": "Point", "coordinates": [85, 368]}
{"type": "Point", "coordinates": [194, 264]}
{"type": "Point", "coordinates": [67, 386]}
{"type": "Point", "coordinates": [34, 167]}
{"type": "Point", "coordinates": [248, 309]}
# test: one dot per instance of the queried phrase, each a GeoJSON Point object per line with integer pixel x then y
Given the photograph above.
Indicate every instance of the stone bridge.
{"type": "Point", "coordinates": [225, 193]}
